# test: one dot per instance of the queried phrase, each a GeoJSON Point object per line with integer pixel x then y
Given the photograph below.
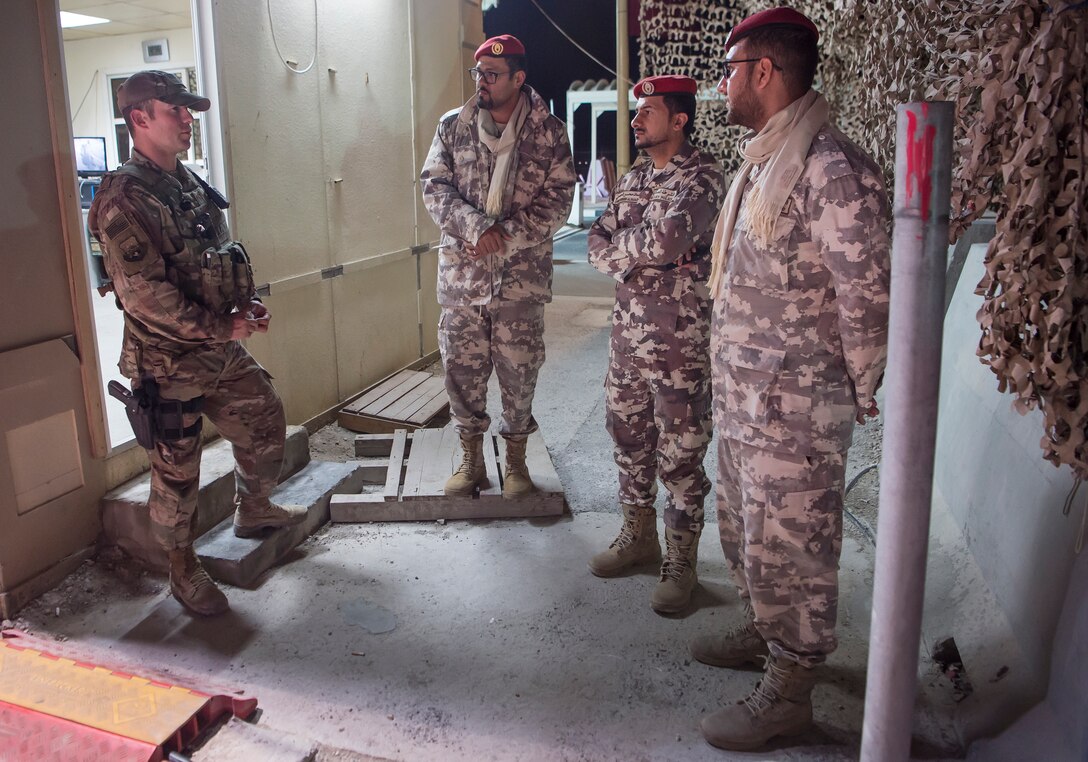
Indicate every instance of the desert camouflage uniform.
{"type": "Point", "coordinates": [177, 331]}
{"type": "Point", "coordinates": [654, 239]}
{"type": "Point", "coordinates": [493, 306]}
{"type": "Point", "coordinates": [799, 342]}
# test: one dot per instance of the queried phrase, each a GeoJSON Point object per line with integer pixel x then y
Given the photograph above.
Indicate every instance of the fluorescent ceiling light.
{"type": "Point", "coordinates": [69, 20]}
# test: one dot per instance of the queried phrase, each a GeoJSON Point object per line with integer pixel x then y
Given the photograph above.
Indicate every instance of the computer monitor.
{"type": "Point", "coordinates": [90, 156]}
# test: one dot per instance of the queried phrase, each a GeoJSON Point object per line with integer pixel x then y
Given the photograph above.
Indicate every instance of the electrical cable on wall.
{"type": "Point", "coordinates": [572, 41]}
{"type": "Point", "coordinates": [94, 80]}
{"type": "Point", "coordinates": [285, 61]}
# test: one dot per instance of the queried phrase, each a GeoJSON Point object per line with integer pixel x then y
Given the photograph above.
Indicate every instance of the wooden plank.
{"type": "Point", "coordinates": [491, 464]}
{"type": "Point", "coordinates": [394, 394]}
{"type": "Point", "coordinates": [360, 509]}
{"type": "Point", "coordinates": [427, 443]}
{"type": "Point", "coordinates": [433, 407]}
{"type": "Point", "coordinates": [377, 391]}
{"type": "Point", "coordinates": [379, 445]}
{"type": "Point", "coordinates": [539, 462]}
{"type": "Point", "coordinates": [373, 445]}
{"type": "Point", "coordinates": [438, 469]}
{"type": "Point", "coordinates": [415, 399]}
{"type": "Point", "coordinates": [396, 458]}
{"type": "Point", "coordinates": [370, 425]}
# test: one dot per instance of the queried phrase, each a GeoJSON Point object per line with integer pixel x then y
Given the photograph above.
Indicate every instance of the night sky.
{"type": "Point", "coordinates": [554, 63]}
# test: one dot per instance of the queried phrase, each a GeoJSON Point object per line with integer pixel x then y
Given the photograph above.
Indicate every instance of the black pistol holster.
{"type": "Point", "coordinates": [154, 419]}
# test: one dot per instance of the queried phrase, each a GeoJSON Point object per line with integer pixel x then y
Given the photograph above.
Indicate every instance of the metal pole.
{"type": "Point", "coordinates": [923, 169]}
{"type": "Point", "coordinates": [623, 86]}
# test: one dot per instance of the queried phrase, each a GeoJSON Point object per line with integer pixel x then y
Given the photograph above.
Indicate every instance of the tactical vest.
{"type": "Point", "coordinates": [207, 266]}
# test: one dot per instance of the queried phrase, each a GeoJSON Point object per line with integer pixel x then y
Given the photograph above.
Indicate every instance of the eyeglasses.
{"type": "Point", "coordinates": [729, 72]}
{"type": "Point", "coordinates": [490, 77]}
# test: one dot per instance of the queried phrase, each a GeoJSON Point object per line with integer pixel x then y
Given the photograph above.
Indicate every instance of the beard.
{"type": "Point", "coordinates": [743, 110]}
{"type": "Point", "coordinates": [644, 141]}
{"type": "Point", "coordinates": [485, 101]}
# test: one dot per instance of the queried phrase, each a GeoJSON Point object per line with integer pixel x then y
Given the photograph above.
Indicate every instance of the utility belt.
{"type": "Point", "coordinates": [226, 277]}
{"type": "Point", "coordinates": [154, 419]}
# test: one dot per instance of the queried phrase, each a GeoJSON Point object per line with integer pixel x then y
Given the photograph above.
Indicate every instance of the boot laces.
{"type": "Point", "coordinates": [770, 689]}
{"type": "Point", "coordinates": [199, 577]}
{"type": "Point", "coordinates": [676, 562]}
{"type": "Point", "coordinates": [627, 536]}
{"type": "Point", "coordinates": [467, 462]}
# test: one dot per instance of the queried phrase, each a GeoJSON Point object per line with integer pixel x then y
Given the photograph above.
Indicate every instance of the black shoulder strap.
{"type": "Point", "coordinates": [157, 184]}
{"type": "Point", "coordinates": [217, 198]}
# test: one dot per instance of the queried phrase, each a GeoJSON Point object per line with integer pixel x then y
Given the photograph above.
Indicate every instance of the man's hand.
{"type": "Point", "coordinates": [492, 241]}
{"type": "Point", "coordinates": [872, 411]}
{"type": "Point", "coordinates": [260, 315]}
{"type": "Point", "coordinates": [254, 319]}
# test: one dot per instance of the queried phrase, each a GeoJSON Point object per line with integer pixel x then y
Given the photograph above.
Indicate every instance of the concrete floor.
{"type": "Point", "coordinates": [483, 640]}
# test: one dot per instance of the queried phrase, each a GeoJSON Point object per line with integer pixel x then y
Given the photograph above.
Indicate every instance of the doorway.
{"type": "Point", "coordinates": [103, 44]}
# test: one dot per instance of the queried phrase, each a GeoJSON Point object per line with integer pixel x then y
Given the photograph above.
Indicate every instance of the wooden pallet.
{"type": "Point", "coordinates": [410, 399]}
{"type": "Point", "coordinates": [407, 472]}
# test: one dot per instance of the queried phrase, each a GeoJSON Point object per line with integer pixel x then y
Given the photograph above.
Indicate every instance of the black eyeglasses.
{"type": "Point", "coordinates": [490, 77]}
{"type": "Point", "coordinates": [729, 72]}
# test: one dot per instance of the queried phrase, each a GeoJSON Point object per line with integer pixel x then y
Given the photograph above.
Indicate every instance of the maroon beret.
{"type": "Point", "coordinates": [665, 85]}
{"type": "Point", "coordinates": [503, 45]}
{"type": "Point", "coordinates": [778, 16]}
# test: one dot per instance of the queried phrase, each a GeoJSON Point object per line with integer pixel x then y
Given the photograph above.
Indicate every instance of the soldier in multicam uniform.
{"type": "Point", "coordinates": [798, 346]}
{"type": "Point", "coordinates": [654, 239]}
{"type": "Point", "coordinates": [188, 296]}
{"type": "Point", "coordinates": [498, 181]}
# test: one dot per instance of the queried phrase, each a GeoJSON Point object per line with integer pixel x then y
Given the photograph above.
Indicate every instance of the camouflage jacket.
{"type": "Point", "coordinates": [661, 222]}
{"type": "Point", "coordinates": [537, 199]}
{"type": "Point", "coordinates": [800, 329]}
{"type": "Point", "coordinates": [153, 252]}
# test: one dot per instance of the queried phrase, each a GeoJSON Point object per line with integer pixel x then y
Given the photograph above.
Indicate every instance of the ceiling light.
{"type": "Point", "coordinates": [69, 20]}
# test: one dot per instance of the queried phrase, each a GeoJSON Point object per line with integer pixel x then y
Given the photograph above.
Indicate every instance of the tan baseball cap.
{"type": "Point", "coordinates": [144, 85]}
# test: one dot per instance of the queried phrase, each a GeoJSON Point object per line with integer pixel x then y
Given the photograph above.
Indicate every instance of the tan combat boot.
{"type": "Point", "coordinates": [252, 520]}
{"type": "Point", "coordinates": [636, 544]}
{"type": "Point", "coordinates": [741, 646]}
{"type": "Point", "coordinates": [516, 481]}
{"type": "Point", "coordinates": [781, 705]}
{"type": "Point", "coordinates": [673, 592]}
{"type": "Point", "coordinates": [471, 471]}
{"type": "Point", "coordinates": [192, 586]}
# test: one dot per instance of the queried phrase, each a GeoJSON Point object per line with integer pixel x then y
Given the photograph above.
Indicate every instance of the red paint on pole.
{"type": "Point", "coordinates": [920, 160]}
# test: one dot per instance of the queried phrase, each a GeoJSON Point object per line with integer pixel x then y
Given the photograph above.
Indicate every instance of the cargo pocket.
{"type": "Point", "coordinates": [751, 375]}
{"type": "Point", "coordinates": [802, 531]}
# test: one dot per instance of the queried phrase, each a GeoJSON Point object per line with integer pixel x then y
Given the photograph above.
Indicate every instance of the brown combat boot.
{"type": "Point", "coordinates": [471, 471]}
{"type": "Point", "coordinates": [636, 544]}
{"type": "Point", "coordinates": [516, 481]}
{"type": "Point", "coordinates": [192, 586]}
{"type": "Point", "coordinates": [781, 705]}
{"type": "Point", "coordinates": [252, 520]}
{"type": "Point", "coordinates": [673, 592]}
{"type": "Point", "coordinates": [741, 646]}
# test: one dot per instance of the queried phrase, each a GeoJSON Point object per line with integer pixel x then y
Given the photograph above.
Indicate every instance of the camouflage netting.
{"type": "Point", "coordinates": [1018, 72]}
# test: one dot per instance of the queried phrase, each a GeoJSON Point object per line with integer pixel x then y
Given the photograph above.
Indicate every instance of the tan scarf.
{"type": "Point", "coordinates": [783, 144]}
{"type": "Point", "coordinates": [503, 148]}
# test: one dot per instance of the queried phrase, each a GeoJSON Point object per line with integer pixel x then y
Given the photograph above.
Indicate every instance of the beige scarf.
{"type": "Point", "coordinates": [783, 144]}
{"type": "Point", "coordinates": [503, 148]}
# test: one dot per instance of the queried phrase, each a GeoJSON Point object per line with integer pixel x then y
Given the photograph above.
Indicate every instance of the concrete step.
{"type": "Point", "coordinates": [241, 561]}
{"type": "Point", "coordinates": [127, 524]}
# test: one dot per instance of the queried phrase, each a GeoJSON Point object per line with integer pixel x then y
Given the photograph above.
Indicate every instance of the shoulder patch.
{"type": "Point", "coordinates": [117, 226]}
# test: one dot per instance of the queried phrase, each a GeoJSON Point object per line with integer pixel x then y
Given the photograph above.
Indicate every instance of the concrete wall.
{"type": "Point", "coordinates": [324, 168]}
{"type": "Point", "coordinates": [89, 65]}
{"type": "Point", "coordinates": [1001, 551]}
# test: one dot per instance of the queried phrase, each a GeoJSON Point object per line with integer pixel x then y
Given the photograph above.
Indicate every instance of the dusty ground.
{"type": "Point", "coordinates": [485, 640]}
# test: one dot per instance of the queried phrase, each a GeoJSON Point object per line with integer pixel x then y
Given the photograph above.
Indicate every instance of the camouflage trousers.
{"type": "Point", "coordinates": [507, 337]}
{"type": "Point", "coordinates": [780, 522]}
{"type": "Point", "coordinates": [657, 395]}
{"type": "Point", "coordinates": [242, 403]}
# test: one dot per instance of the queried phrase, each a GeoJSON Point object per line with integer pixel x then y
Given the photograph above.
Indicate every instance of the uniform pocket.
{"type": "Point", "coordinates": [751, 374]}
{"type": "Point", "coordinates": [802, 531]}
